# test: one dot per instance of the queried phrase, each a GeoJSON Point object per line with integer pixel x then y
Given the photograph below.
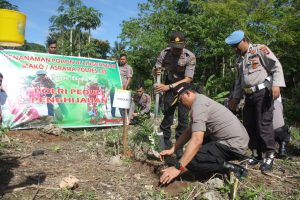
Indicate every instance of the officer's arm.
{"type": "Point", "coordinates": [192, 148]}
{"type": "Point", "coordinates": [185, 80]}
{"type": "Point", "coordinates": [127, 84]}
{"type": "Point", "coordinates": [183, 139]}
{"type": "Point", "coordinates": [272, 65]}
{"type": "Point", "coordinates": [158, 65]}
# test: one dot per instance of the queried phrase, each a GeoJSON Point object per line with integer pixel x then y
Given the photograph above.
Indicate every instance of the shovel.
{"type": "Point", "coordinates": [158, 134]}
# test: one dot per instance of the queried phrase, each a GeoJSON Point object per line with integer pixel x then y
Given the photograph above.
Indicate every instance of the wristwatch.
{"type": "Point", "coordinates": [171, 86]}
{"type": "Point", "coordinates": [179, 166]}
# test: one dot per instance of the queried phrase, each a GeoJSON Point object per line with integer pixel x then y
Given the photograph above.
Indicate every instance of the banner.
{"type": "Point", "coordinates": [64, 90]}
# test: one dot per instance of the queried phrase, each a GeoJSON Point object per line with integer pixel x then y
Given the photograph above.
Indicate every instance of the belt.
{"type": "Point", "coordinates": [253, 89]}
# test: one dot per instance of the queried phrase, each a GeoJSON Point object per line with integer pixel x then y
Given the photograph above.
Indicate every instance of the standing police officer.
{"type": "Point", "coordinates": [178, 66]}
{"type": "Point", "coordinates": [260, 77]}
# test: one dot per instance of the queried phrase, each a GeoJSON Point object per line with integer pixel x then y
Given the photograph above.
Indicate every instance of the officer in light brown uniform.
{"type": "Point", "coordinates": [260, 77]}
{"type": "Point", "coordinates": [140, 104]}
{"type": "Point", "coordinates": [214, 137]}
{"type": "Point", "coordinates": [126, 74]}
{"type": "Point", "coordinates": [178, 66]}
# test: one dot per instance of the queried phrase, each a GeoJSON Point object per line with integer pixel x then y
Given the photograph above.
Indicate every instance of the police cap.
{"type": "Point", "coordinates": [235, 37]}
{"type": "Point", "coordinates": [179, 89]}
{"type": "Point", "coordinates": [177, 40]}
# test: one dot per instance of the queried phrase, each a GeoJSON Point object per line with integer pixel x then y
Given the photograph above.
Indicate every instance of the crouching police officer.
{"type": "Point", "coordinates": [209, 119]}
{"type": "Point", "coordinates": [140, 105]}
{"type": "Point", "coordinates": [260, 77]}
{"type": "Point", "coordinates": [178, 65]}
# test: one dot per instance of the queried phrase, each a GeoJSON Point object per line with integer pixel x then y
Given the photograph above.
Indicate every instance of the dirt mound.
{"type": "Point", "coordinates": [35, 136]}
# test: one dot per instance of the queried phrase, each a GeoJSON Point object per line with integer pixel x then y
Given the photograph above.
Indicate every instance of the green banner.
{"type": "Point", "coordinates": [63, 90]}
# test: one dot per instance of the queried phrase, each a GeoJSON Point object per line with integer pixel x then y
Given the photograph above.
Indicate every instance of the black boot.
{"type": "Point", "coordinates": [239, 171]}
{"type": "Point", "coordinates": [282, 149]}
{"type": "Point", "coordinates": [267, 162]}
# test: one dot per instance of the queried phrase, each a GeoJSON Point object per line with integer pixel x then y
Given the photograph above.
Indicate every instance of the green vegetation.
{"type": "Point", "coordinates": [206, 24]}
{"type": "Point", "coordinates": [68, 27]}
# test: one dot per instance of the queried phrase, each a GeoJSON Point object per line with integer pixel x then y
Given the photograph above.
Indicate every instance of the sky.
{"type": "Point", "coordinates": [114, 12]}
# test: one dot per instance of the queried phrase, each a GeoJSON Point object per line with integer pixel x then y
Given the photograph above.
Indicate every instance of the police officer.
{"type": "Point", "coordinates": [126, 74]}
{"type": "Point", "coordinates": [227, 138]}
{"type": "Point", "coordinates": [140, 104]}
{"type": "Point", "coordinates": [260, 77]}
{"type": "Point", "coordinates": [178, 66]}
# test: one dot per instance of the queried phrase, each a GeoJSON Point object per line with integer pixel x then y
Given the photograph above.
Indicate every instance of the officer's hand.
{"type": "Point", "coordinates": [275, 92]}
{"type": "Point", "coordinates": [166, 152]}
{"type": "Point", "coordinates": [161, 88]}
{"type": "Point", "coordinates": [232, 104]}
{"type": "Point", "coordinates": [168, 175]}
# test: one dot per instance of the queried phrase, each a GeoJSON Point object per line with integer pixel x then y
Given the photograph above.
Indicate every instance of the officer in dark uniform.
{"type": "Point", "coordinates": [177, 65]}
{"type": "Point", "coordinates": [260, 77]}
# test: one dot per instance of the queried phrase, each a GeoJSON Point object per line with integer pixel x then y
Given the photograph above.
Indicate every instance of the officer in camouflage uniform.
{"type": "Point", "coordinates": [260, 77]}
{"type": "Point", "coordinates": [178, 66]}
{"type": "Point", "coordinates": [140, 105]}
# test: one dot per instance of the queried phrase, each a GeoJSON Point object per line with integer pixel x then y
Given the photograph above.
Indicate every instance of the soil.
{"type": "Point", "coordinates": [24, 176]}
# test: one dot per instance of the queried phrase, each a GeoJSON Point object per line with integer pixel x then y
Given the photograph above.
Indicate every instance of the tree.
{"type": "Point", "coordinates": [118, 49]}
{"type": "Point", "coordinates": [206, 24]}
{"type": "Point", "coordinates": [73, 17]}
{"type": "Point", "coordinates": [4, 4]}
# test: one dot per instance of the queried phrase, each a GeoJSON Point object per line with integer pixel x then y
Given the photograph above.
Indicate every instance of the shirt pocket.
{"type": "Point", "coordinates": [181, 65]}
{"type": "Point", "coordinates": [254, 65]}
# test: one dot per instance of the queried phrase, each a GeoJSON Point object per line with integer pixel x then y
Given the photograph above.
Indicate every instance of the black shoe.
{"type": "Point", "coordinates": [254, 160]}
{"type": "Point", "coordinates": [267, 164]}
{"type": "Point", "coordinates": [239, 171]}
{"type": "Point", "coordinates": [282, 149]}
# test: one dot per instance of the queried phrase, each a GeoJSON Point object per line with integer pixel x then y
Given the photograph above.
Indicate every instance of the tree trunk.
{"type": "Point", "coordinates": [71, 38]}
{"type": "Point", "coordinates": [79, 44]}
{"type": "Point", "coordinates": [89, 41]}
{"type": "Point", "coordinates": [223, 66]}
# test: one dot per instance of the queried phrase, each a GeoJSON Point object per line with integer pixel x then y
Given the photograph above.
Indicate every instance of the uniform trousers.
{"type": "Point", "coordinates": [258, 117]}
{"type": "Point", "coordinates": [165, 126]}
{"type": "Point", "coordinates": [210, 158]}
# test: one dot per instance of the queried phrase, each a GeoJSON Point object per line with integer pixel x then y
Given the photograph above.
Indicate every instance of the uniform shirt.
{"type": "Point", "coordinates": [125, 73]}
{"type": "Point", "coordinates": [218, 123]}
{"type": "Point", "coordinates": [142, 102]}
{"type": "Point", "coordinates": [255, 66]}
{"type": "Point", "coordinates": [176, 67]}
